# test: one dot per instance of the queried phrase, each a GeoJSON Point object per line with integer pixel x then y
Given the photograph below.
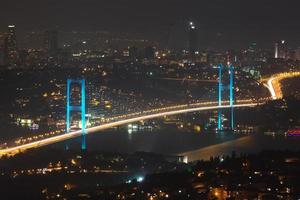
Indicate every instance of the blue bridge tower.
{"type": "Point", "coordinates": [221, 87]}
{"type": "Point", "coordinates": [80, 108]}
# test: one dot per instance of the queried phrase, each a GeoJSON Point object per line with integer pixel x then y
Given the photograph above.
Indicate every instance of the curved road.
{"type": "Point", "coordinates": [273, 83]}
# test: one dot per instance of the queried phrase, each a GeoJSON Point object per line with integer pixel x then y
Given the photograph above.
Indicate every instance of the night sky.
{"type": "Point", "coordinates": [220, 22]}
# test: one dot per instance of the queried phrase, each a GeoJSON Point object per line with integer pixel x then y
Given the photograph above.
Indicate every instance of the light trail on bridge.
{"type": "Point", "coordinates": [74, 134]}
{"type": "Point", "coordinates": [273, 84]}
{"type": "Point", "coordinates": [189, 80]}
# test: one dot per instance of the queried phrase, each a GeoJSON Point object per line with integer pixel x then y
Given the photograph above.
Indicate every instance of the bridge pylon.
{"type": "Point", "coordinates": [80, 108]}
{"type": "Point", "coordinates": [221, 88]}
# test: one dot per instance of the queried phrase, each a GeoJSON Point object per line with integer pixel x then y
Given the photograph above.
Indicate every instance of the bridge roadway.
{"type": "Point", "coordinates": [161, 112]}
{"type": "Point", "coordinates": [273, 84]}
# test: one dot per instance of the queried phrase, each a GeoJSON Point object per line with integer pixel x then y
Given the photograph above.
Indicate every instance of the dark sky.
{"type": "Point", "coordinates": [219, 22]}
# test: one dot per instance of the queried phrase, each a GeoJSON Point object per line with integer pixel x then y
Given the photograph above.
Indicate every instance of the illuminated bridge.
{"type": "Point", "coordinates": [272, 83]}
{"type": "Point", "coordinates": [126, 119]}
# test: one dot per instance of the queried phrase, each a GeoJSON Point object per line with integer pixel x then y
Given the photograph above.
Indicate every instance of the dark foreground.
{"type": "Point", "coordinates": [98, 175]}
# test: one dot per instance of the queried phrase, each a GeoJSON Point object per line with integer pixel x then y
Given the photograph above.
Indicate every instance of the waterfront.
{"type": "Point", "coordinates": [245, 145]}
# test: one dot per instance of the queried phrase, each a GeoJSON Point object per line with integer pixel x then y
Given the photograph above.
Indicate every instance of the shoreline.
{"type": "Point", "coordinates": [225, 148]}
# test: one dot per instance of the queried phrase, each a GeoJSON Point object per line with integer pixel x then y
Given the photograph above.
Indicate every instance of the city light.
{"type": "Point", "coordinates": [140, 179]}
{"type": "Point", "coordinates": [150, 101]}
{"type": "Point", "coordinates": [273, 83]}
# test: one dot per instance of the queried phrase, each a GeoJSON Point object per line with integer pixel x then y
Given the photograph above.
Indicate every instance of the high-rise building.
{"type": "Point", "coordinates": [51, 42]}
{"type": "Point", "coordinates": [281, 50]}
{"type": "Point", "coordinates": [10, 46]}
{"type": "Point", "coordinates": [276, 50]}
{"type": "Point", "coordinates": [193, 39]}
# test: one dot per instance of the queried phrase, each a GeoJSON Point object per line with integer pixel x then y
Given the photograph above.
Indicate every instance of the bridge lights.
{"type": "Point", "coordinates": [80, 108]}
{"type": "Point", "coordinates": [231, 95]}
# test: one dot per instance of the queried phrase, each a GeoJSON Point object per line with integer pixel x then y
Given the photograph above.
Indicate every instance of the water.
{"type": "Point", "coordinates": [195, 146]}
{"type": "Point", "coordinates": [162, 142]}
{"type": "Point", "coordinates": [249, 144]}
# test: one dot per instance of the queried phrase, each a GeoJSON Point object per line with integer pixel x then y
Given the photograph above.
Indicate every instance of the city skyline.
{"type": "Point", "coordinates": [149, 100]}
{"type": "Point", "coordinates": [220, 24]}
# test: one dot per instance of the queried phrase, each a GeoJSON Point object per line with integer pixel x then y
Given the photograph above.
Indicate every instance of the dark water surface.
{"type": "Point", "coordinates": [248, 144]}
{"type": "Point", "coordinates": [195, 146]}
{"type": "Point", "coordinates": [162, 142]}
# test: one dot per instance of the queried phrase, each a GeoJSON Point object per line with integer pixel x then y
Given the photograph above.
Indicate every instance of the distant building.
{"type": "Point", "coordinates": [297, 54]}
{"type": "Point", "coordinates": [23, 54]}
{"type": "Point", "coordinates": [126, 52]}
{"type": "Point", "coordinates": [51, 42]}
{"type": "Point", "coordinates": [203, 57]}
{"type": "Point", "coordinates": [133, 53]}
{"type": "Point", "coordinates": [193, 39]}
{"type": "Point", "coordinates": [276, 50]}
{"type": "Point", "coordinates": [149, 53]}
{"type": "Point", "coordinates": [281, 50]}
{"type": "Point", "coordinates": [10, 46]}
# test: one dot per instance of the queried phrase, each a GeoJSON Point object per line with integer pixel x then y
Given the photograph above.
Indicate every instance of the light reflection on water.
{"type": "Point", "coordinates": [249, 144]}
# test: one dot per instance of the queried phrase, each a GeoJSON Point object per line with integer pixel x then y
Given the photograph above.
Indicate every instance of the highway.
{"type": "Point", "coordinates": [74, 134]}
{"type": "Point", "coordinates": [271, 89]}
{"type": "Point", "coordinates": [274, 86]}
